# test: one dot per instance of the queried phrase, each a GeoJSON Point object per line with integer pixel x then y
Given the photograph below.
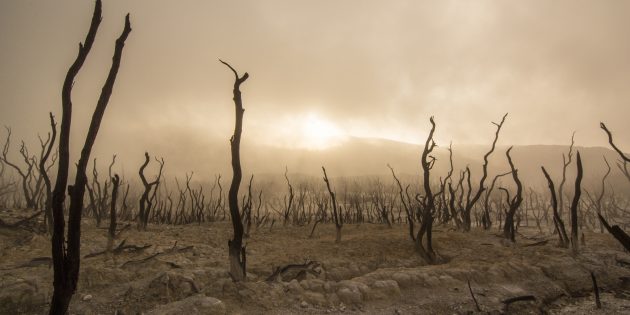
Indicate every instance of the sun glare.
{"type": "Point", "coordinates": [319, 133]}
{"type": "Point", "coordinates": [304, 131]}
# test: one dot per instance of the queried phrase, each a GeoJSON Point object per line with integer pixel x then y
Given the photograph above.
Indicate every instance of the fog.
{"type": "Point", "coordinates": [322, 73]}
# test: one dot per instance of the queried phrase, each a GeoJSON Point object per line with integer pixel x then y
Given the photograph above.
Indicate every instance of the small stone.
{"type": "Point", "coordinates": [304, 304]}
{"type": "Point", "coordinates": [342, 307]}
{"type": "Point", "coordinates": [87, 297]}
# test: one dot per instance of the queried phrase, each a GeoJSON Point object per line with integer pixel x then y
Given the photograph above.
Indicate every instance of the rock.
{"type": "Point", "coordinates": [317, 285]}
{"type": "Point", "coordinates": [403, 279]}
{"type": "Point", "coordinates": [295, 287]}
{"type": "Point", "coordinates": [196, 304]}
{"type": "Point", "coordinates": [304, 304]}
{"type": "Point", "coordinates": [383, 289]}
{"type": "Point", "coordinates": [87, 297]}
{"type": "Point", "coordinates": [314, 298]}
{"type": "Point", "coordinates": [348, 295]}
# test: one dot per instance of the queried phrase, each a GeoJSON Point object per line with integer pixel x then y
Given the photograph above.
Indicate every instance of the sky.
{"type": "Point", "coordinates": [322, 71]}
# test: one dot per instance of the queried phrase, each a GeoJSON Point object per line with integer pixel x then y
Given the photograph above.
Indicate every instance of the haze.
{"type": "Point", "coordinates": [322, 72]}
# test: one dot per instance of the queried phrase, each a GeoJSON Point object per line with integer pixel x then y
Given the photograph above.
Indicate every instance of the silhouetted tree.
{"type": "Point", "coordinates": [288, 201]}
{"type": "Point", "coordinates": [112, 212]}
{"type": "Point", "coordinates": [43, 170]}
{"type": "Point", "coordinates": [513, 203]}
{"type": "Point", "coordinates": [236, 250]}
{"type": "Point", "coordinates": [557, 219]}
{"type": "Point", "coordinates": [25, 173]}
{"type": "Point", "coordinates": [566, 161]}
{"type": "Point", "coordinates": [624, 158]}
{"type": "Point", "coordinates": [146, 203]}
{"type": "Point", "coordinates": [470, 202]}
{"type": "Point", "coordinates": [574, 205]}
{"type": "Point", "coordinates": [405, 204]}
{"type": "Point", "coordinates": [66, 252]}
{"type": "Point", "coordinates": [427, 202]}
{"type": "Point", "coordinates": [337, 215]}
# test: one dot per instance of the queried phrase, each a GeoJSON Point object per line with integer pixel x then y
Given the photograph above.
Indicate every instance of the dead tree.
{"type": "Point", "coordinates": [513, 203]}
{"type": "Point", "coordinates": [66, 251]}
{"type": "Point", "coordinates": [599, 205]}
{"type": "Point", "coordinates": [470, 203]}
{"type": "Point", "coordinates": [427, 202]}
{"type": "Point", "coordinates": [288, 205]}
{"type": "Point", "coordinates": [623, 156]}
{"type": "Point", "coordinates": [25, 173]}
{"type": "Point", "coordinates": [146, 203]}
{"type": "Point", "coordinates": [337, 215]}
{"type": "Point", "coordinates": [557, 219]}
{"type": "Point", "coordinates": [486, 221]}
{"type": "Point", "coordinates": [622, 237]}
{"type": "Point", "coordinates": [112, 211]}
{"type": "Point", "coordinates": [405, 204]}
{"type": "Point", "coordinates": [236, 249]}
{"type": "Point", "coordinates": [43, 170]}
{"type": "Point", "coordinates": [566, 161]}
{"type": "Point", "coordinates": [575, 243]}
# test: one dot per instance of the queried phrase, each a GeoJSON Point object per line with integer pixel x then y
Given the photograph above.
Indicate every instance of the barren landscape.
{"type": "Point", "coordinates": [373, 271]}
{"type": "Point", "coordinates": [414, 157]}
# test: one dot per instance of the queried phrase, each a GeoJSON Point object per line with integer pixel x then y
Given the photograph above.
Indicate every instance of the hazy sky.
{"type": "Point", "coordinates": [322, 70]}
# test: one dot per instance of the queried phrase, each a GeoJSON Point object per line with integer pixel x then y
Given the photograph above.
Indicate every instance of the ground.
{"type": "Point", "coordinates": [374, 270]}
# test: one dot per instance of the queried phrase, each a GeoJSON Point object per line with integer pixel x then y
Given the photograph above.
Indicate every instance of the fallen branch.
{"type": "Point", "coordinates": [522, 298]}
{"type": "Point", "coordinates": [139, 261]}
{"type": "Point", "coordinates": [473, 297]}
{"type": "Point", "coordinates": [119, 249]}
{"type": "Point", "coordinates": [617, 232]}
{"type": "Point", "coordinates": [171, 250]}
{"type": "Point", "coordinates": [543, 242]}
{"type": "Point", "coordinates": [280, 273]}
{"type": "Point", "coordinates": [17, 224]}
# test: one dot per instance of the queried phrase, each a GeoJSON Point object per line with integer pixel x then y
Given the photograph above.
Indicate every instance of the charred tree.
{"type": "Point", "coordinates": [26, 173]}
{"type": "Point", "coordinates": [44, 173]}
{"type": "Point", "coordinates": [486, 221]}
{"type": "Point", "coordinates": [557, 219]}
{"type": "Point", "coordinates": [145, 204]}
{"type": "Point", "coordinates": [566, 161]}
{"type": "Point", "coordinates": [513, 203]}
{"type": "Point", "coordinates": [112, 212]}
{"type": "Point", "coordinates": [575, 243]}
{"type": "Point", "coordinates": [470, 202]}
{"type": "Point", "coordinates": [66, 251]}
{"type": "Point", "coordinates": [337, 216]}
{"type": "Point", "coordinates": [236, 249]}
{"type": "Point", "coordinates": [408, 211]}
{"type": "Point", "coordinates": [288, 205]}
{"type": "Point", "coordinates": [427, 202]}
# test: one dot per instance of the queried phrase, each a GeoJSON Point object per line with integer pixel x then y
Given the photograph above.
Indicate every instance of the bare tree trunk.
{"type": "Point", "coordinates": [337, 216]}
{"type": "Point", "coordinates": [42, 170]}
{"type": "Point", "coordinates": [574, 206]}
{"type": "Point", "coordinates": [562, 233]}
{"type": "Point", "coordinates": [514, 203]}
{"type": "Point", "coordinates": [112, 212]}
{"type": "Point", "coordinates": [427, 203]}
{"type": "Point", "coordinates": [145, 203]}
{"type": "Point", "coordinates": [470, 203]}
{"type": "Point", "coordinates": [66, 261]}
{"type": "Point", "coordinates": [566, 161]}
{"type": "Point", "coordinates": [236, 249]}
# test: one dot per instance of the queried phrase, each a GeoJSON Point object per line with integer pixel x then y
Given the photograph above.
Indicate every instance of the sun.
{"type": "Point", "coordinates": [319, 133]}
